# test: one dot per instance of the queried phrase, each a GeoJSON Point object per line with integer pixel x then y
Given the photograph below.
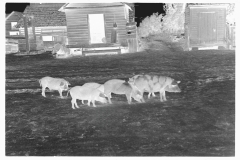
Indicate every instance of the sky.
{"type": "Point", "coordinates": [9, 7]}
{"type": "Point", "coordinates": [142, 10]}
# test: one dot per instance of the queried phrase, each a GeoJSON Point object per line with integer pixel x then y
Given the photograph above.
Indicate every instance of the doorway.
{"type": "Point", "coordinates": [96, 28]}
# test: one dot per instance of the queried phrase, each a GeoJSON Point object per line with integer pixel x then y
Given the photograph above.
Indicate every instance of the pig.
{"type": "Point", "coordinates": [94, 85]}
{"type": "Point", "coordinates": [85, 93]}
{"type": "Point", "coordinates": [58, 84]}
{"type": "Point", "coordinates": [118, 86]}
{"type": "Point", "coordinates": [155, 83]}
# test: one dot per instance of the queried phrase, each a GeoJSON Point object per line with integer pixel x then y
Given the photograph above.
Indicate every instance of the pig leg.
{"type": "Point", "coordinates": [164, 96]}
{"type": "Point", "coordinates": [73, 102]}
{"type": "Point", "coordinates": [142, 93]}
{"type": "Point", "coordinates": [149, 95]}
{"type": "Point", "coordinates": [153, 94]}
{"type": "Point", "coordinates": [161, 95]}
{"type": "Point", "coordinates": [143, 101]}
{"type": "Point", "coordinates": [43, 91]}
{"type": "Point", "coordinates": [60, 92]}
{"type": "Point", "coordinates": [129, 98]}
{"type": "Point", "coordinates": [93, 102]}
{"type": "Point", "coordinates": [109, 98]}
{"type": "Point", "coordinates": [89, 102]}
{"type": "Point", "coordinates": [76, 103]}
{"type": "Point", "coordinates": [82, 101]}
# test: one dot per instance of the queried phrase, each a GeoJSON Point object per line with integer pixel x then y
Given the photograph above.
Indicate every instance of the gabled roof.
{"type": "Point", "coordinates": [207, 6]}
{"type": "Point", "coordinates": [89, 5]}
{"type": "Point", "coordinates": [12, 13]}
{"type": "Point", "coordinates": [217, 5]}
{"type": "Point", "coordinates": [46, 14]}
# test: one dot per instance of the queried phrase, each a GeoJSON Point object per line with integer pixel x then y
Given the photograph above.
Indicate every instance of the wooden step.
{"type": "Point", "coordinates": [101, 52]}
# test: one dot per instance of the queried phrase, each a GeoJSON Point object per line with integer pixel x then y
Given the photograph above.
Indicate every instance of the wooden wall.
{"type": "Point", "coordinates": [11, 45]}
{"type": "Point", "coordinates": [59, 34]}
{"type": "Point", "coordinates": [193, 27]}
{"type": "Point", "coordinates": [13, 18]}
{"type": "Point", "coordinates": [46, 31]}
{"type": "Point", "coordinates": [77, 24]}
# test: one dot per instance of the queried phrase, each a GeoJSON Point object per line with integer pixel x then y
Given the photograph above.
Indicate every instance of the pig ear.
{"type": "Point", "coordinates": [178, 81]}
{"type": "Point", "coordinates": [62, 83]}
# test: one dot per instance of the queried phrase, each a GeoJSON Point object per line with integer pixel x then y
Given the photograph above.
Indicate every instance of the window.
{"type": "Point", "coordinates": [13, 24]}
{"type": "Point", "coordinates": [47, 38]}
{"type": "Point", "coordinates": [13, 33]}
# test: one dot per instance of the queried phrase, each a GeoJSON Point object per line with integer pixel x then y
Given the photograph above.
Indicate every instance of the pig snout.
{"type": "Point", "coordinates": [176, 89]}
{"type": "Point", "coordinates": [172, 88]}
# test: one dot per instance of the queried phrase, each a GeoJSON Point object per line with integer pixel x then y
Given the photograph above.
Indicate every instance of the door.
{"type": "Point", "coordinates": [96, 28]}
{"type": "Point", "coordinates": [207, 31]}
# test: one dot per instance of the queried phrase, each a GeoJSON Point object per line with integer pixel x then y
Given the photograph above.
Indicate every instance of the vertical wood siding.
{"type": "Point", "coordinates": [192, 19]}
{"type": "Point", "coordinates": [77, 23]}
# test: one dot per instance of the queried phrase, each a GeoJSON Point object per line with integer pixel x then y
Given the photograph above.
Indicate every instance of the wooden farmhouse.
{"type": "Point", "coordinates": [46, 26]}
{"type": "Point", "coordinates": [12, 33]}
{"type": "Point", "coordinates": [205, 26]}
{"type": "Point", "coordinates": [95, 28]}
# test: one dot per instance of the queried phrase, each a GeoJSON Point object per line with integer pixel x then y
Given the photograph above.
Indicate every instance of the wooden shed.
{"type": "Point", "coordinates": [100, 27]}
{"type": "Point", "coordinates": [205, 26]}
{"type": "Point", "coordinates": [11, 22]}
{"type": "Point", "coordinates": [12, 33]}
{"type": "Point", "coordinates": [46, 26]}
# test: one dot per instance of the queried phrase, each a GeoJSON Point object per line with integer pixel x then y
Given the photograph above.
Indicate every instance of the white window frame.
{"type": "Point", "coordinates": [12, 33]}
{"type": "Point", "coordinates": [47, 38]}
{"type": "Point", "coordinates": [13, 25]}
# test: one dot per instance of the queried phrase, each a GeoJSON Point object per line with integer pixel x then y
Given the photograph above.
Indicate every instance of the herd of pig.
{"type": "Point", "coordinates": [133, 88]}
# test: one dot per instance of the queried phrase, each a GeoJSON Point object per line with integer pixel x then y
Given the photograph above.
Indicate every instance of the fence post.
{"type": "Point", "coordinates": [33, 28]}
{"type": "Point", "coordinates": [26, 32]}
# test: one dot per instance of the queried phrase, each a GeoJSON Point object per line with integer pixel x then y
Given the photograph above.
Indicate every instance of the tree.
{"type": "Point", "coordinates": [150, 25]}
{"type": "Point", "coordinates": [20, 23]}
{"type": "Point", "coordinates": [173, 21]}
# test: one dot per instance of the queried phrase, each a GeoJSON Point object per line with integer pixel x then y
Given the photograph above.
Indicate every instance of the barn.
{"type": "Point", "coordinates": [205, 26]}
{"type": "Point", "coordinates": [46, 26]}
{"type": "Point", "coordinates": [95, 28]}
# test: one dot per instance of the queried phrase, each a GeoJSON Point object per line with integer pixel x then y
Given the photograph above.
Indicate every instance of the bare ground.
{"type": "Point", "coordinates": [199, 121]}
